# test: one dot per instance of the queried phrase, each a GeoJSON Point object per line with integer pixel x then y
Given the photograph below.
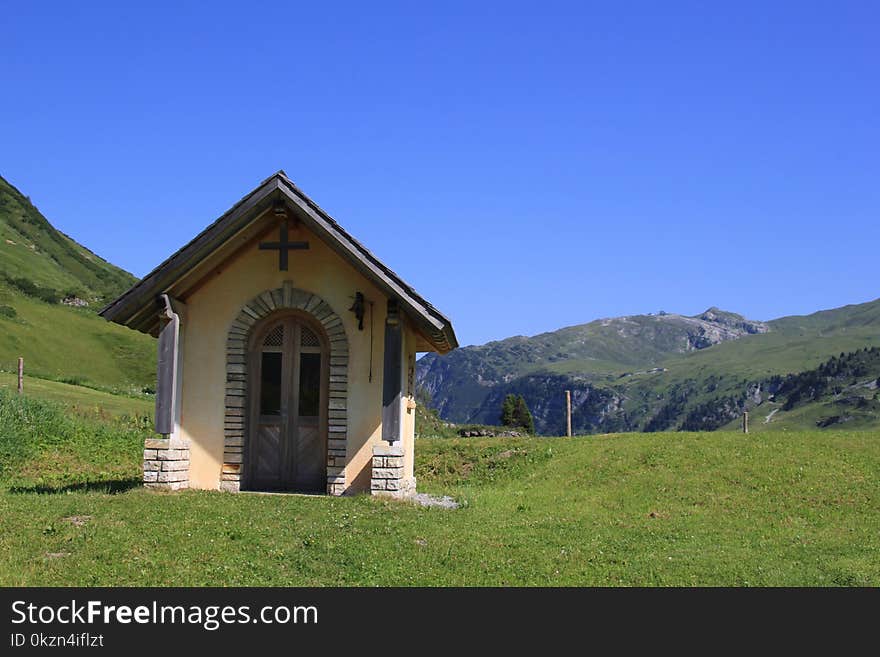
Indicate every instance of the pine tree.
{"type": "Point", "coordinates": [508, 408]}
{"type": "Point", "coordinates": [522, 416]}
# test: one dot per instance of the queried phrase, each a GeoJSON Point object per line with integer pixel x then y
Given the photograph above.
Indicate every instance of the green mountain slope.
{"type": "Point", "coordinates": [74, 344]}
{"type": "Point", "coordinates": [458, 382]}
{"type": "Point", "coordinates": [643, 373]}
{"type": "Point", "coordinates": [843, 391]}
{"type": "Point", "coordinates": [837, 321]}
{"type": "Point", "coordinates": [32, 249]}
{"type": "Point", "coordinates": [39, 267]}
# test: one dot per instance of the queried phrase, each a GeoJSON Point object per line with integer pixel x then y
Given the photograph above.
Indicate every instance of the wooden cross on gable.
{"type": "Point", "coordinates": [283, 245]}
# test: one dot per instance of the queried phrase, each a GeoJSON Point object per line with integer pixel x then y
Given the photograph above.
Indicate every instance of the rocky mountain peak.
{"type": "Point", "coordinates": [733, 321]}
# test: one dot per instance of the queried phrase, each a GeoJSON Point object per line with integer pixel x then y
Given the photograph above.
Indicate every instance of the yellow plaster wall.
{"type": "Point", "coordinates": [213, 306]}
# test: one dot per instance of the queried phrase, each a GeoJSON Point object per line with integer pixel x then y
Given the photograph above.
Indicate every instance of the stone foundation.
{"type": "Point", "coordinates": [166, 464]}
{"type": "Point", "coordinates": [228, 483]}
{"type": "Point", "coordinates": [387, 478]}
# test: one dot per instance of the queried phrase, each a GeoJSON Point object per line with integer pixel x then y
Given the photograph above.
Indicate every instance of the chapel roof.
{"type": "Point", "coordinates": [137, 308]}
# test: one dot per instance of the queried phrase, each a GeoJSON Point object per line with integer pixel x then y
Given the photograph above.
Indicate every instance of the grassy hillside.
{"type": "Point", "coordinates": [793, 344]}
{"type": "Point", "coordinates": [661, 509]}
{"type": "Point", "coordinates": [39, 266]}
{"type": "Point", "coordinates": [755, 357]}
{"type": "Point", "coordinates": [842, 391]}
{"type": "Point", "coordinates": [709, 381]}
{"type": "Point", "coordinates": [75, 344]}
{"type": "Point", "coordinates": [32, 249]}
{"type": "Point", "coordinates": [835, 321]}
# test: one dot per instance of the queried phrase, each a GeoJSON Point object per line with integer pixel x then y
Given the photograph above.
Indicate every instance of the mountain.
{"type": "Point", "coordinates": [843, 391]}
{"type": "Point", "coordinates": [50, 290]}
{"type": "Point", "coordinates": [458, 383]}
{"type": "Point", "coordinates": [643, 372]}
{"type": "Point", "coordinates": [44, 260]}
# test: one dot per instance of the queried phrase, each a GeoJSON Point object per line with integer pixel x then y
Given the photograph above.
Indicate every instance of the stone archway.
{"type": "Point", "coordinates": [235, 420]}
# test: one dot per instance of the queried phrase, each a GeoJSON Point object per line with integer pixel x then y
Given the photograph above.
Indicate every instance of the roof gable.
{"type": "Point", "coordinates": [137, 307]}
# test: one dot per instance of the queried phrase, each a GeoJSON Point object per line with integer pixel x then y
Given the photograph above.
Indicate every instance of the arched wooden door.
{"type": "Point", "coordinates": [286, 445]}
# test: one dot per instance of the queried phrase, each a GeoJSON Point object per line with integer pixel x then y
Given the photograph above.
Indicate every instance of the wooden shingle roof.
{"type": "Point", "coordinates": [137, 308]}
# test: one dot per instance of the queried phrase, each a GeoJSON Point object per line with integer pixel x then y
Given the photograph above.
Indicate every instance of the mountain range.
{"type": "Point", "coordinates": [656, 372]}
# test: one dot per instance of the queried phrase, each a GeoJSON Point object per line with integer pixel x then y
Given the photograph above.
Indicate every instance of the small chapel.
{"type": "Point", "coordinates": [287, 355]}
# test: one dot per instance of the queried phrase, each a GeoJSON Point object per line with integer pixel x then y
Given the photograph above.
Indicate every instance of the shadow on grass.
{"type": "Point", "coordinates": [112, 487]}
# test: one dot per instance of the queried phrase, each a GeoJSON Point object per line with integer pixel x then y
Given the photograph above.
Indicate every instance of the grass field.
{"type": "Point", "coordinates": [81, 400]}
{"type": "Point", "coordinates": [799, 508]}
{"type": "Point", "coordinates": [60, 342]}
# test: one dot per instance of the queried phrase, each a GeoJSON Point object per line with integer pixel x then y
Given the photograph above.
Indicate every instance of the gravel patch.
{"type": "Point", "coordinates": [444, 502]}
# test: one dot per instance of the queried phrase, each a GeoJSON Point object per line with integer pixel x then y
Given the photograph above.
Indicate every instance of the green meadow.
{"type": "Point", "coordinates": [80, 399]}
{"type": "Point", "coordinates": [798, 508]}
{"type": "Point", "coordinates": [73, 345]}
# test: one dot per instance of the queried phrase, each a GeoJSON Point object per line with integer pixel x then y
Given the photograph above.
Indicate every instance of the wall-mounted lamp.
{"type": "Point", "coordinates": [358, 309]}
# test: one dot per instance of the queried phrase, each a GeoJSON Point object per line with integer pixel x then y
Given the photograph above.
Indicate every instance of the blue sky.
{"type": "Point", "coordinates": [525, 166]}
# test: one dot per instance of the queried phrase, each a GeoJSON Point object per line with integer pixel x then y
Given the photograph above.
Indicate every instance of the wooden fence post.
{"type": "Point", "coordinates": [745, 421]}
{"type": "Point", "coordinates": [20, 375]}
{"type": "Point", "coordinates": [568, 413]}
